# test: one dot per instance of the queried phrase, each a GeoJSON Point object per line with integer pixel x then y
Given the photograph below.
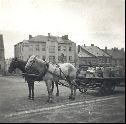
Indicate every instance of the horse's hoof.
{"type": "Point", "coordinates": [32, 98]}
{"type": "Point", "coordinates": [50, 101]}
{"type": "Point", "coordinates": [57, 94]}
{"type": "Point", "coordinates": [29, 97]}
{"type": "Point", "coordinates": [71, 98]}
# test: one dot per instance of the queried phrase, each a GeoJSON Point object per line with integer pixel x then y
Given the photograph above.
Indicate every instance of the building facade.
{"type": "Point", "coordinates": [118, 56]}
{"type": "Point", "coordinates": [93, 56]}
{"type": "Point", "coordinates": [50, 48]}
{"type": "Point", "coordinates": [2, 56]}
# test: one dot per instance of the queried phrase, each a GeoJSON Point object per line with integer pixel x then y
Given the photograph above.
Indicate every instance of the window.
{"type": "Point", "coordinates": [70, 48]}
{"type": "Point", "coordinates": [100, 60]}
{"type": "Point", "coordinates": [44, 47]}
{"type": "Point", "coordinates": [70, 58]}
{"type": "Point", "coordinates": [22, 48]}
{"type": "Point", "coordinates": [65, 58]}
{"type": "Point", "coordinates": [94, 61]}
{"type": "Point", "coordinates": [64, 48]}
{"type": "Point", "coordinates": [105, 60]}
{"type": "Point", "coordinates": [108, 60]}
{"type": "Point", "coordinates": [85, 62]}
{"type": "Point", "coordinates": [52, 58]}
{"type": "Point", "coordinates": [59, 48]}
{"type": "Point", "coordinates": [37, 47]}
{"type": "Point", "coordinates": [52, 49]}
{"type": "Point", "coordinates": [30, 48]}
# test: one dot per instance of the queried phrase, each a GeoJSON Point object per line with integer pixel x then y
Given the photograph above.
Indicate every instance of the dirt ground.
{"type": "Point", "coordinates": [13, 99]}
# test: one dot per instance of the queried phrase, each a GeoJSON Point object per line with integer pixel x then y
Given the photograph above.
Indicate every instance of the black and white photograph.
{"type": "Point", "coordinates": [62, 61]}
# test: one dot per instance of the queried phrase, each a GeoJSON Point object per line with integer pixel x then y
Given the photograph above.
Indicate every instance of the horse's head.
{"type": "Point", "coordinates": [13, 65]}
{"type": "Point", "coordinates": [30, 63]}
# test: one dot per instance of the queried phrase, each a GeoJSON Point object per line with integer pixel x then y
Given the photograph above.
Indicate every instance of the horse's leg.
{"type": "Point", "coordinates": [32, 87]}
{"type": "Point", "coordinates": [52, 86]}
{"type": "Point", "coordinates": [57, 94]}
{"type": "Point", "coordinates": [49, 89]}
{"type": "Point", "coordinates": [29, 87]}
{"type": "Point", "coordinates": [73, 91]}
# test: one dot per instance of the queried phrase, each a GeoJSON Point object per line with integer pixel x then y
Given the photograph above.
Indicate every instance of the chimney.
{"type": "Point", "coordinates": [84, 45]}
{"type": "Point", "coordinates": [106, 48]}
{"type": "Point", "coordinates": [65, 37]}
{"type": "Point", "coordinates": [30, 36]}
{"type": "Point", "coordinates": [78, 48]}
{"type": "Point", "coordinates": [92, 44]}
{"type": "Point", "coordinates": [48, 34]}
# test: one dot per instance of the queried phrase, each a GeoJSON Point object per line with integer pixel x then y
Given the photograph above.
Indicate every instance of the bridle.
{"type": "Point", "coordinates": [13, 65]}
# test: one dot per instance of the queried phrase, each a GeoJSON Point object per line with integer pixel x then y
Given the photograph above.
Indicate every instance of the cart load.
{"type": "Point", "coordinates": [102, 78]}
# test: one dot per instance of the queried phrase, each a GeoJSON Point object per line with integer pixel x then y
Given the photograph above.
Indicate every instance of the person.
{"type": "Point", "coordinates": [100, 73]}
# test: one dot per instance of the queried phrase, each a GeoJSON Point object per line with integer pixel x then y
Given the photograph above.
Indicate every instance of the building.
{"type": "Point", "coordinates": [50, 48]}
{"type": "Point", "coordinates": [93, 56]}
{"type": "Point", "coordinates": [118, 56]}
{"type": "Point", "coordinates": [2, 56]}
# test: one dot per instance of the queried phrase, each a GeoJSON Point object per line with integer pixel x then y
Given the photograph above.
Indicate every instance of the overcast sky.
{"type": "Point", "coordinates": [98, 22]}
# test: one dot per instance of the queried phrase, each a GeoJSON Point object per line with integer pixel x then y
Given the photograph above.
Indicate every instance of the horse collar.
{"type": "Point", "coordinates": [45, 71]}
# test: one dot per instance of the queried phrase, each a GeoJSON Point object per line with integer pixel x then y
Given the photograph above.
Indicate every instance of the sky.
{"type": "Point", "coordinates": [98, 22]}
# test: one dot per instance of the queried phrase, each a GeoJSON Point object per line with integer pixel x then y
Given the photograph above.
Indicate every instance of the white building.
{"type": "Point", "coordinates": [50, 48]}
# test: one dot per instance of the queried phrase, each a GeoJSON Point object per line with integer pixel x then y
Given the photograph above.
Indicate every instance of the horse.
{"type": "Point", "coordinates": [50, 72]}
{"type": "Point", "coordinates": [20, 64]}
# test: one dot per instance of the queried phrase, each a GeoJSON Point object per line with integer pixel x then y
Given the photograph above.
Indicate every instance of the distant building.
{"type": "Point", "coordinates": [2, 56]}
{"type": "Point", "coordinates": [7, 65]}
{"type": "Point", "coordinates": [51, 48]}
{"type": "Point", "coordinates": [118, 56]}
{"type": "Point", "coordinates": [93, 56]}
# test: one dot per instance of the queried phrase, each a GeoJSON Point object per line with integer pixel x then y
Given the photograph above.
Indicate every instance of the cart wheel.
{"type": "Point", "coordinates": [82, 90]}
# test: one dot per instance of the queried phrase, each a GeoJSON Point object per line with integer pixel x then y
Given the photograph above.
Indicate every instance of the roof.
{"type": "Point", "coordinates": [39, 38]}
{"type": "Point", "coordinates": [96, 51]}
{"type": "Point", "coordinates": [116, 54]}
{"type": "Point", "coordinates": [84, 53]}
{"type": "Point", "coordinates": [42, 38]}
{"type": "Point", "coordinates": [1, 42]}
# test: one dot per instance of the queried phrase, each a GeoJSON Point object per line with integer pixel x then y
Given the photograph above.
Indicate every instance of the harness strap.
{"type": "Point", "coordinates": [44, 73]}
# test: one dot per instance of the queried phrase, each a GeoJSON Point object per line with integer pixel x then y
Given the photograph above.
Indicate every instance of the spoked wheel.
{"type": "Point", "coordinates": [82, 89]}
